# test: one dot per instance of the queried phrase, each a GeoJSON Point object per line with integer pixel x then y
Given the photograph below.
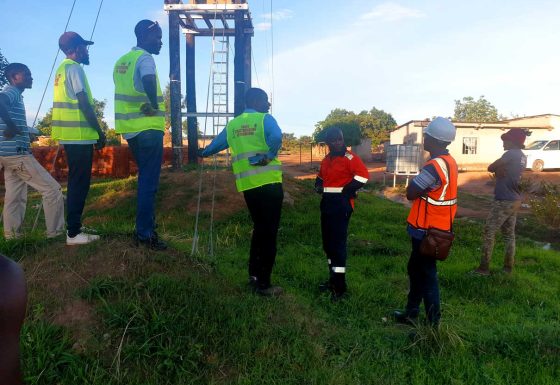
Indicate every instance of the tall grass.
{"type": "Point", "coordinates": [184, 321]}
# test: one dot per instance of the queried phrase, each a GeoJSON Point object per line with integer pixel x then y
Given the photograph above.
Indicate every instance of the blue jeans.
{"type": "Point", "coordinates": [79, 158]}
{"type": "Point", "coordinates": [147, 148]}
{"type": "Point", "coordinates": [422, 273]}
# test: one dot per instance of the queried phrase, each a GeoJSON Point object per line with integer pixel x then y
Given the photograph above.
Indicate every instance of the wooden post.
{"type": "Point", "coordinates": [175, 89]}
{"type": "Point", "coordinates": [239, 76]}
{"type": "Point", "coordinates": [192, 133]}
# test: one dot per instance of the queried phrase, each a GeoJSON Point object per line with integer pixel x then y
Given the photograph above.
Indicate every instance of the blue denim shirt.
{"type": "Point", "coordinates": [272, 135]}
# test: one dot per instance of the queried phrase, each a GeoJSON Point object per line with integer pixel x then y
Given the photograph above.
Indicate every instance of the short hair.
{"type": "Point", "coordinates": [253, 96]}
{"type": "Point", "coordinates": [332, 134]}
{"type": "Point", "coordinates": [145, 27]}
{"type": "Point", "coordinates": [12, 69]}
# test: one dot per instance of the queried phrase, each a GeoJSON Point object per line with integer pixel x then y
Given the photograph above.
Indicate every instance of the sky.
{"type": "Point", "coordinates": [412, 59]}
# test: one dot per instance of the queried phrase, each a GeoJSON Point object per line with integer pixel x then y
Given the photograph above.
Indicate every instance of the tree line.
{"type": "Point", "coordinates": [375, 124]}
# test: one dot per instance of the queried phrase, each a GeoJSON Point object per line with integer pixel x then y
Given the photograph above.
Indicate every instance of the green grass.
{"type": "Point", "coordinates": [167, 318]}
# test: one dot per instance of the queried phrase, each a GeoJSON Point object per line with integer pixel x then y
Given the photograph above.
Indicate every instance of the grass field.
{"type": "Point", "coordinates": [109, 313]}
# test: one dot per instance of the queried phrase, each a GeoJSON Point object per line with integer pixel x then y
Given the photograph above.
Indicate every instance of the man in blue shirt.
{"type": "Point", "coordinates": [259, 178]}
{"type": "Point", "coordinates": [20, 167]}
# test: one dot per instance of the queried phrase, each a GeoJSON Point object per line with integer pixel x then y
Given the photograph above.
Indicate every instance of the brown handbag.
{"type": "Point", "coordinates": [437, 244]}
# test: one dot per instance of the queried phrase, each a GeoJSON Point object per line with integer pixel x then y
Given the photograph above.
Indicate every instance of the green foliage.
{"type": "Point", "coordinates": [3, 64]}
{"type": "Point", "coordinates": [546, 207]}
{"type": "Point", "coordinates": [374, 124]}
{"type": "Point", "coordinates": [478, 111]}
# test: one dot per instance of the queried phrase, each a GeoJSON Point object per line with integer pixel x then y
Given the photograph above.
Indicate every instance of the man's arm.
{"type": "Point", "coordinates": [497, 166]}
{"type": "Point", "coordinates": [218, 144]}
{"type": "Point", "coordinates": [273, 136]}
{"type": "Point", "coordinates": [149, 82]}
{"type": "Point", "coordinates": [427, 180]}
{"type": "Point", "coordinates": [89, 113]}
{"type": "Point", "coordinates": [12, 128]}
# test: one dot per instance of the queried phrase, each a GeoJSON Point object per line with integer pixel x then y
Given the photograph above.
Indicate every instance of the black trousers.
{"type": "Point", "coordinates": [79, 158]}
{"type": "Point", "coordinates": [336, 211]}
{"type": "Point", "coordinates": [422, 273]}
{"type": "Point", "coordinates": [265, 206]}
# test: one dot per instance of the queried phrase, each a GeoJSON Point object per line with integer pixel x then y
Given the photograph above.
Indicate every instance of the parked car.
{"type": "Point", "coordinates": [543, 154]}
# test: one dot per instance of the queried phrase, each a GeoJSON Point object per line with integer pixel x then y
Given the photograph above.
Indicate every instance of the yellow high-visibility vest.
{"type": "Point", "coordinates": [68, 121]}
{"type": "Point", "coordinates": [128, 101]}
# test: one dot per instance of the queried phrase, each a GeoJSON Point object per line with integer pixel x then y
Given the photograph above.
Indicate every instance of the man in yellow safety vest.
{"type": "Point", "coordinates": [140, 118]}
{"type": "Point", "coordinates": [254, 139]}
{"type": "Point", "coordinates": [75, 125]}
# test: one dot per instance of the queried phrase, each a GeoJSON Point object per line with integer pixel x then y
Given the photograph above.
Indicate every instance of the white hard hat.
{"type": "Point", "coordinates": [441, 129]}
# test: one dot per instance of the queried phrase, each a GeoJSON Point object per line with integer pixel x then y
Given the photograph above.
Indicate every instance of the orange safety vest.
{"type": "Point", "coordinates": [437, 208]}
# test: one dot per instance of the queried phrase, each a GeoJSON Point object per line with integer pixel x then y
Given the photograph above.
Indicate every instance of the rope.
{"type": "Point", "coordinates": [194, 248]}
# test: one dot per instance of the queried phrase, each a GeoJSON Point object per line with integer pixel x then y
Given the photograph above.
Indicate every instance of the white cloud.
{"type": "Point", "coordinates": [281, 14]}
{"type": "Point", "coordinates": [264, 26]}
{"type": "Point", "coordinates": [392, 12]}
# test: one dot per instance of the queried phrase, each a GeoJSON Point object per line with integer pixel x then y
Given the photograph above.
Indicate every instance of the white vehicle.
{"type": "Point", "coordinates": [543, 154]}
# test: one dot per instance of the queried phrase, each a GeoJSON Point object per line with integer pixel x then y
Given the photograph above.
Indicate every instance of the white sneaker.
{"type": "Point", "coordinates": [81, 239]}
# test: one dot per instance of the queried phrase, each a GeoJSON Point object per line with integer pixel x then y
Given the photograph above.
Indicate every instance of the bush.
{"type": "Point", "coordinates": [546, 205]}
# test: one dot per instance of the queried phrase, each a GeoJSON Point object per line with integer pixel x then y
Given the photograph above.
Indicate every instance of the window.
{"type": "Point", "coordinates": [552, 146]}
{"type": "Point", "coordinates": [470, 146]}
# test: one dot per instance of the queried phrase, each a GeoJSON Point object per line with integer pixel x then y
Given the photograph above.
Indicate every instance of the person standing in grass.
{"type": "Point", "coordinates": [433, 193]}
{"type": "Point", "coordinates": [507, 200]}
{"type": "Point", "coordinates": [341, 175]}
{"type": "Point", "coordinates": [75, 125]}
{"type": "Point", "coordinates": [13, 301]}
{"type": "Point", "coordinates": [255, 139]}
{"type": "Point", "coordinates": [140, 118]}
{"type": "Point", "coordinates": [20, 166]}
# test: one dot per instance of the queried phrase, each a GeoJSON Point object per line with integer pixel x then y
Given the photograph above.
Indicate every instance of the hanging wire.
{"type": "Point", "coordinates": [44, 92]}
{"type": "Point", "coordinates": [52, 68]}
{"type": "Point", "coordinates": [272, 55]}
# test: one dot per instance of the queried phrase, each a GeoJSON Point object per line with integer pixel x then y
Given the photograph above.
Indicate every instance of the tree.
{"type": "Point", "coordinates": [375, 124]}
{"type": "Point", "coordinates": [3, 64]}
{"type": "Point", "coordinates": [477, 111]}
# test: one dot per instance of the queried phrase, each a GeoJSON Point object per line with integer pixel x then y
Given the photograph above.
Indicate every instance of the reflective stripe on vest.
{"type": "Point", "coordinates": [68, 121]}
{"type": "Point", "coordinates": [245, 137]}
{"type": "Point", "coordinates": [338, 269]}
{"type": "Point", "coordinates": [437, 208]}
{"type": "Point", "coordinates": [128, 101]}
{"type": "Point", "coordinates": [332, 189]}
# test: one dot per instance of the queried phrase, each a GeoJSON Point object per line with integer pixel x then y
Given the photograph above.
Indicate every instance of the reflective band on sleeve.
{"type": "Point", "coordinates": [259, 170]}
{"type": "Point", "coordinates": [71, 106]}
{"type": "Point", "coordinates": [337, 269]}
{"type": "Point", "coordinates": [245, 155]}
{"type": "Point", "coordinates": [329, 261]}
{"type": "Point", "coordinates": [332, 189]}
{"type": "Point", "coordinates": [431, 201]}
{"type": "Point", "coordinates": [360, 179]}
{"type": "Point", "coordinates": [136, 115]}
{"type": "Point", "coordinates": [136, 99]}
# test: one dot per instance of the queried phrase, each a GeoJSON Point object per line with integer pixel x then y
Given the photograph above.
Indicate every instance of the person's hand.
{"type": "Point", "coordinates": [33, 138]}
{"type": "Point", "coordinates": [101, 141]}
{"type": "Point", "coordinates": [199, 152]}
{"type": "Point", "coordinates": [11, 131]}
{"type": "Point", "coordinates": [263, 161]}
{"type": "Point", "coordinates": [148, 110]}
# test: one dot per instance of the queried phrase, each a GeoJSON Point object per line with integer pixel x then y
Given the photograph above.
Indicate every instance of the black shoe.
{"type": "Point", "coordinates": [153, 243]}
{"type": "Point", "coordinates": [404, 317]}
{"type": "Point", "coordinates": [271, 291]}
